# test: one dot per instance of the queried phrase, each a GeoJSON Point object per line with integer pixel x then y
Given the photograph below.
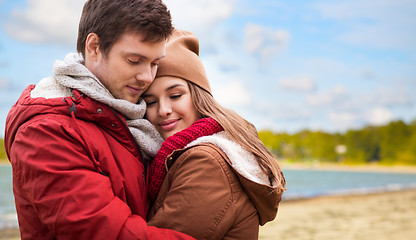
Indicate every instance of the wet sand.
{"type": "Point", "coordinates": [9, 234]}
{"type": "Point", "coordinates": [378, 216]}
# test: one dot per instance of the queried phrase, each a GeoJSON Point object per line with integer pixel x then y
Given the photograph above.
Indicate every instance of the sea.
{"type": "Point", "coordinates": [306, 183]}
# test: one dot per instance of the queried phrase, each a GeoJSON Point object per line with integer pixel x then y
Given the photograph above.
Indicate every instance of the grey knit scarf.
{"type": "Point", "coordinates": [72, 74]}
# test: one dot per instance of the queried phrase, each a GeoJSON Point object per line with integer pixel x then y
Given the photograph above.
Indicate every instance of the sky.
{"type": "Point", "coordinates": [285, 66]}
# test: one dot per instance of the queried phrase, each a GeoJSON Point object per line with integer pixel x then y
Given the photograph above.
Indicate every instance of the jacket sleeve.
{"type": "Point", "coordinates": [199, 201]}
{"type": "Point", "coordinates": [55, 175]}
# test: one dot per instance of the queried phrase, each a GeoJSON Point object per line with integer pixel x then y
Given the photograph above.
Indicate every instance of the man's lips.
{"type": "Point", "coordinates": [168, 125]}
{"type": "Point", "coordinates": [135, 90]}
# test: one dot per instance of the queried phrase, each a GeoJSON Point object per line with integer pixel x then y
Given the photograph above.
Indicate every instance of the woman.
{"type": "Point", "coordinates": [221, 181]}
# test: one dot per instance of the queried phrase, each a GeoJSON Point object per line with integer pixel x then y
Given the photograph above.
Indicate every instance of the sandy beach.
{"type": "Point", "coordinates": [374, 216]}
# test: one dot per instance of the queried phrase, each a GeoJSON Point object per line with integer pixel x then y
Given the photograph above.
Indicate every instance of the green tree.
{"type": "Point", "coordinates": [394, 141]}
{"type": "Point", "coordinates": [389, 144]}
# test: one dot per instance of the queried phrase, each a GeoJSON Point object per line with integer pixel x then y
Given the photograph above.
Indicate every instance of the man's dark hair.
{"type": "Point", "coordinates": [110, 19]}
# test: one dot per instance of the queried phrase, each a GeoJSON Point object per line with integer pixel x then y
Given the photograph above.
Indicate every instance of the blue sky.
{"type": "Point", "coordinates": [283, 65]}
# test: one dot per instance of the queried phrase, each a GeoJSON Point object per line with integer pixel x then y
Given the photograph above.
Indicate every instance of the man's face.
{"type": "Point", "coordinates": [130, 66]}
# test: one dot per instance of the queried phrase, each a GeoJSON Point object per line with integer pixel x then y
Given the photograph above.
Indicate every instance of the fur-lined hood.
{"type": "Point", "coordinates": [264, 195]}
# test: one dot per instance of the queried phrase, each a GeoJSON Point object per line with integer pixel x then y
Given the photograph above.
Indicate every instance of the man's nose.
{"type": "Point", "coordinates": [145, 75]}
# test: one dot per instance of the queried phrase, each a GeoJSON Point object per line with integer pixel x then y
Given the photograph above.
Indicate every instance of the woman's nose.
{"type": "Point", "coordinates": [165, 108]}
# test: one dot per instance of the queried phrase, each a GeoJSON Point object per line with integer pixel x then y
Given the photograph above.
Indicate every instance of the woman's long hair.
{"type": "Point", "coordinates": [240, 130]}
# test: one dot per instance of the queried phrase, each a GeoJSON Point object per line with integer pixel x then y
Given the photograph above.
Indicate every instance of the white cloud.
{"type": "Point", "coordinates": [361, 116]}
{"type": "Point", "coordinates": [232, 94]}
{"type": "Point", "coordinates": [291, 112]}
{"type": "Point", "coordinates": [303, 83]}
{"type": "Point", "coordinates": [46, 21]}
{"type": "Point", "coordinates": [320, 65]}
{"type": "Point", "coordinates": [381, 36]}
{"type": "Point", "coordinates": [369, 9]}
{"type": "Point", "coordinates": [265, 42]}
{"type": "Point", "coordinates": [368, 74]}
{"type": "Point", "coordinates": [388, 96]}
{"type": "Point", "coordinates": [344, 120]}
{"type": "Point", "coordinates": [379, 116]}
{"type": "Point", "coordinates": [393, 96]}
{"type": "Point", "coordinates": [339, 91]}
{"type": "Point", "coordinates": [4, 83]}
{"type": "Point", "coordinates": [282, 111]}
{"type": "Point", "coordinates": [200, 17]}
{"type": "Point", "coordinates": [376, 24]}
{"type": "Point", "coordinates": [49, 21]}
{"type": "Point", "coordinates": [3, 64]}
{"type": "Point", "coordinates": [280, 116]}
{"type": "Point", "coordinates": [332, 96]}
{"type": "Point", "coordinates": [320, 99]}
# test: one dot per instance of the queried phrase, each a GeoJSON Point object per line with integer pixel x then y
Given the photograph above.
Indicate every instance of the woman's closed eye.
{"type": "Point", "coordinates": [176, 96]}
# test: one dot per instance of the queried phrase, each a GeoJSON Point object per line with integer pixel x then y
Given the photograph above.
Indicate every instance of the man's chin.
{"type": "Point", "coordinates": [134, 100]}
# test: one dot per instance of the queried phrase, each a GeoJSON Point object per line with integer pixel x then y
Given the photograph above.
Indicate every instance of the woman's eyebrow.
{"type": "Point", "coordinates": [174, 86]}
{"type": "Point", "coordinates": [167, 89]}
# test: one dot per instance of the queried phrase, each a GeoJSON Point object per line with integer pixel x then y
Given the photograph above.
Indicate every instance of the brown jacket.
{"type": "Point", "coordinates": [205, 197]}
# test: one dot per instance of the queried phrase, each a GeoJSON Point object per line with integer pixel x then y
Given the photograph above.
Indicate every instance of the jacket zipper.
{"type": "Point", "coordinates": [127, 130]}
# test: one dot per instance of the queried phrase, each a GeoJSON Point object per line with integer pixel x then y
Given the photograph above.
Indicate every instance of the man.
{"type": "Point", "coordinates": [77, 141]}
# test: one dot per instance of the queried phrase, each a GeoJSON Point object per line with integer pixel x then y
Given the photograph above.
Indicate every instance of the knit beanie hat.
{"type": "Point", "coordinates": [182, 59]}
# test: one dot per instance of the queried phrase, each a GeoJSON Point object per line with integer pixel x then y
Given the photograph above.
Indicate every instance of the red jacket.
{"type": "Point", "coordinates": [76, 177]}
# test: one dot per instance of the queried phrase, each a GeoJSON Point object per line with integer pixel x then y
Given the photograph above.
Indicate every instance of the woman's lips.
{"type": "Point", "coordinates": [168, 125]}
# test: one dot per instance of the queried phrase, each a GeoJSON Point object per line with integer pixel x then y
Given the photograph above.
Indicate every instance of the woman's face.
{"type": "Point", "coordinates": [169, 105]}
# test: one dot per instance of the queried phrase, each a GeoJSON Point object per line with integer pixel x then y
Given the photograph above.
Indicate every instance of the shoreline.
{"type": "Point", "coordinates": [408, 169]}
{"type": "Point", "coordinates": [351, 193]}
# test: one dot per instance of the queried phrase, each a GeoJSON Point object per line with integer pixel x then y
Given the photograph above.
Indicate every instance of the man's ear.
{"type": "Point", "coordinates": [92, 47]}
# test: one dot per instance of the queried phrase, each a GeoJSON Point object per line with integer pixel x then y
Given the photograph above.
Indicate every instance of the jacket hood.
{"type": "Point", "coordinates": [26, 108]}
{"type": "Point", "coordinates": [261, 191]}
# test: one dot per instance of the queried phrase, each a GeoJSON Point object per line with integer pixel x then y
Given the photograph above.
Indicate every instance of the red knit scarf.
{"type": "Point", "coordinates": [157, 169]}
